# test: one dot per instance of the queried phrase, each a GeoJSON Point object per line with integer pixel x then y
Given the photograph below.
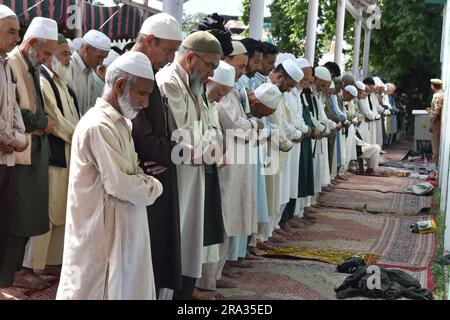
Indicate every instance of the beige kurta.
{"type": "Point", "coordinates": [82, 83]}
{"type": "Point", "coordinates": [185, 116]}
{"type": "Point", "coordinates": [12, 128]}
{"type": "Point", "coordinates": [237, 178]}
{"type": "Point", "coordinates": [51, 243]}
{"type": "Point", "coordinates": [278, 119]}
{"type": "Point", "coordinates": [107, 252]}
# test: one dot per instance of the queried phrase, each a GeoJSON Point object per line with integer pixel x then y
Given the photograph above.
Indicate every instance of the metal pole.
{"type": "Point", "coordinates": [256, 19]}
{"type": "Point", "coordinates": [340, 19]}
{"type": "Point", "coordinates": [174, 8]}
{"type": "Point", "coordinates": [366, 54]}
{"type": "Point", "coordinates": [311, 26]}
{"type": "Point", "coordinates": [356, 48]}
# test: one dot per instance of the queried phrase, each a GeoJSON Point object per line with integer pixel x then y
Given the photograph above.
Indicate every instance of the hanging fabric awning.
{"type": "Point", "coordinates": [125, 24]}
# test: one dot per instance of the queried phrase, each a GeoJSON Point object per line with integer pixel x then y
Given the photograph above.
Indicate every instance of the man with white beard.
{"type": "Point", "coordinates": [45, 251]}
{"type": "Point", "coordinates": [107, 252]}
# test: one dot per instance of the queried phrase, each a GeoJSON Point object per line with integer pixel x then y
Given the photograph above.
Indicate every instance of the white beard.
{"type": "Point", "coordinates": [125, 106]}
{"type": "Point", "coordinates": [64, 73]}
{"type": "Point", "coordinates": [32, 57]}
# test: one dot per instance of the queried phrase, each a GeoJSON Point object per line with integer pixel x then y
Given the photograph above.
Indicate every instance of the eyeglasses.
{"type": "Point", "coordinates": [209, 64]}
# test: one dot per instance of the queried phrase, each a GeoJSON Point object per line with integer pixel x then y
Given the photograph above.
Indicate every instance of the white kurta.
{"type": "Point", "coordinates": [370, 152]}
{"type": "Point", "coordinates": [325, 178]}
{"type": "Point", "coordinates": [107, 252]}
{"type": "Point", "coordinates": [377, 109]}
{"type": "Point", "coordinates": [364, 128]}
{"type": "Point", "coordinates": [237, 178]}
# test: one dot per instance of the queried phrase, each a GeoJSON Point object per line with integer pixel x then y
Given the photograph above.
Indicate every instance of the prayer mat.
{"type": "Point", "coordinates": [380, 184]}
{"type": "Point", "coordinates": [377, 202]}
{"type": "Point", "coordinates": [386, 236]}
{"type": "Point", "coordinates": [274, 279]}
{"type": "Point", "coordinates": [328, 256]}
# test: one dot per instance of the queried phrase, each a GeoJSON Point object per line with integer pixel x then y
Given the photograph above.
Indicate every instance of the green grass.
{"type": "Point", "coordinates": [440, 272]}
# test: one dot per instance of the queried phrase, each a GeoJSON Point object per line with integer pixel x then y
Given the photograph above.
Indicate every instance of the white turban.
{"type": "Point", "coordinates": [352, 90]}
{"type": "Point", "coordinates": [97, 40]}
{"type": "Point", "coordinates": [269, 95]}
{"type": "Point", "coordinates": [377, 81]}
{"type": "Point", "coordinates": [224, 74]}
{"type": "Point", "coordinates": [42, 28]}
{"type": "Point", "coordinates": [303, 63]}
{"type": "Point", "coordinates": [162, 25]}
{"type": "Point", "coordinates": [281, 57]}
{"type": "Point", "coordinates": [238, 48]}
{"type": "Point", "coordinates": [6, 12]}
{"type": "Point", "coordinates": [136, 64]}
{"type": "Point", "coordinates": [322, 73]}
{"type": "Point", "coordinates": [293, 70]}
{"type": "Point", "coordinates": [360, 85]}
{"type": "Point", "coordinates": [112, 56]}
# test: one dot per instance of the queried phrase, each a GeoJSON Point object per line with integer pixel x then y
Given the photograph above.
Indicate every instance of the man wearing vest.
{"type": "Point", "coordinates": [44, 252]}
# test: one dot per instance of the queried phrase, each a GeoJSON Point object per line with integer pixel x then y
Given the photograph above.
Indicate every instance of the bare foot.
{"type": "Point", "coordinates": [310, 210]}
{"type": "Point", "coordinates": [240, 264]}
{"type": "Point", "coordinates": [255, 251]}
{"type": "Point", "coordinates": [327, 189]}
{"type": "Point", "coordinates": [282, 233]}
{"type": "Point", "coordinates": [286, 227]}
{"type": "Point", "coordinates": [264, 246]}
{"type": "Point", "coordinates": [28, 280]}
{"type": "Point", "coordinates": [11, 293]}
{"type": "Point", "coordinates": [276, 238]}
{"type": "Point", "coordinates": [227, 272]}
{"type": "Point", "coordinates": [49, 271]}
{"type": "Point", "coordinates": [199, 294]}
{"type": "Point", "coordinates": [253, 257]}
{"type": "Point", "coordinates": [226, 283]}
{"type": "Point", "coordinates": [335, 182]}
{"type": "Point", "coordinates": [309, 216]}
{"type": "Point", "coordinates": [298, 224]}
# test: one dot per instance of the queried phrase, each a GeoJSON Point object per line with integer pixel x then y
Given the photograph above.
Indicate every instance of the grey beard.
{"type": "Point", "coordinates": [195, 83]}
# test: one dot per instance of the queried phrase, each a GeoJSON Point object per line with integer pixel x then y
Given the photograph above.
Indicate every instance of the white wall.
{"type": "Point", "coordinates": [445, 134]}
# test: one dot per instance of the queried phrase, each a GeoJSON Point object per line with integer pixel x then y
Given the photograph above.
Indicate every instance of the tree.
{"type": "Point", "coordinates": [190, 22]}
{"type": "Point", "coordinates": [406, 50]}
{"type": "Point", "coordinates": [289, 19]}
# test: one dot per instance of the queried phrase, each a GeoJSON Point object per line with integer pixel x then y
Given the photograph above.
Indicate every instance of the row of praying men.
{"type": "Point", "coordinates": [152, 174]}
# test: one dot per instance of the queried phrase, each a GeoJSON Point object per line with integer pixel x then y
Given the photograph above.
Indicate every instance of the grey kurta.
{"type": "Point", "coordinates": [107, 253]}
